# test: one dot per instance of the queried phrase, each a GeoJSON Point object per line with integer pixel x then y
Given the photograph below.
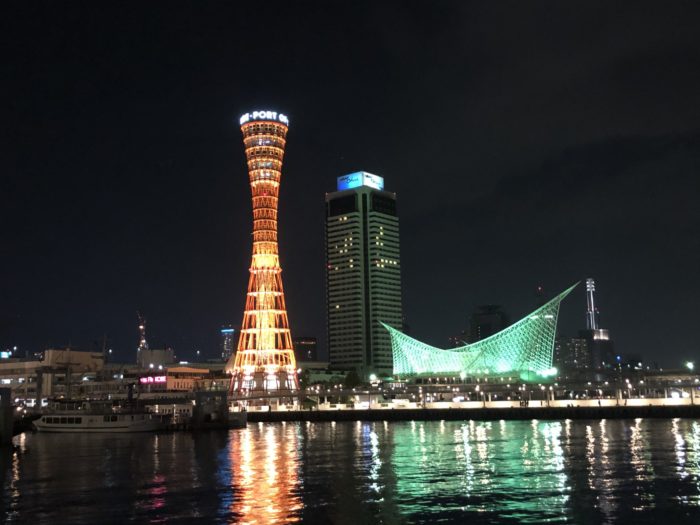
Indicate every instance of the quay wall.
{"type": "Point", "coordinates": [479, 414]}
{"type": "Point", "coordinates": [6, 416]}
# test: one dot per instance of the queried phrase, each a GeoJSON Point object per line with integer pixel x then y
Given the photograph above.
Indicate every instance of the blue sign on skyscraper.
{"type": "Point", "coordinates": [360, 178]}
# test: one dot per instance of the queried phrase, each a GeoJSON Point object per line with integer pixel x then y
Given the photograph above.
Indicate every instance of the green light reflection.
{"type": "Point", "coordinates": [482, 460]}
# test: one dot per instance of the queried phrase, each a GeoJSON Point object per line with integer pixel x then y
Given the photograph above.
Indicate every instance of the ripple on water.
{"type": "Point", "coordinates": [642, 470]}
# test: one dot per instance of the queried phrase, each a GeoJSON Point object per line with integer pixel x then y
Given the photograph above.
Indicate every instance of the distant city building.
{"type": "Point", "coordinates": [155, 358]}
{"type": "Point", "coordinates": [318, 372]}
{"type": "Point", "coordinates": [228, 343]}
{"type": "Point", "coordinates": [406, 327]}
{"type": "Point", "coordinates": [540, 297]}
{"type": "Point", "coordinates": [9, 353]}
{"type": "Point", "coordinates": [55, 374]}
{"type": "Point", "coordinates": [601, 347]}
{"type": "Point", "coordinates": [572, 353]}
{"type": "Point", "coordinates": [487, 319]}
{"type": "Point", "coordinates": [305, 348]}
{"type": "Point", "coordinates": [456, 340]}
{"type": "Point", "coordinates": [363, 274]}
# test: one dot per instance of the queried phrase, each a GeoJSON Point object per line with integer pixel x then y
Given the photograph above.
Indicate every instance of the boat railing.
{"type": "Point", "coordinates": [93, 407]}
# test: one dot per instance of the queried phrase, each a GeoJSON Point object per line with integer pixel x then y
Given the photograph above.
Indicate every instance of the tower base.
{"type": "Point", "coordinates": [260, 386]}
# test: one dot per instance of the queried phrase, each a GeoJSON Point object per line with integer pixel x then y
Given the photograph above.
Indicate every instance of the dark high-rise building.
{"type": "Point", "coordinates": [486, 320]}
{"type": "Point", "coordinates": [227, 342]}
{"type": "Point", "coordinates": [540, 297]}
{"type": "Point", "coordinates": [305, 348]}
{"type": "Point", "coordinates": [571, 353]}
{"type": "Point", "coordinates": [601, 348]}
{"type": "Point", "coordinates": [363, 274]}
{"type": "Point", "coordinates": [455, 341]}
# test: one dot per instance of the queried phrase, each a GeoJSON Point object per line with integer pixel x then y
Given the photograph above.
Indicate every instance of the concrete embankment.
{"type": "Point", "coordinates": [484, 414]}
{"type": "Point", "coordinates": [6, 420]}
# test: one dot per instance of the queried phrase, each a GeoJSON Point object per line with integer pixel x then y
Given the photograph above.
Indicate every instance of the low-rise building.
{"type": "Point", "coordinates": [155, 357]}
{"type": "Point", "coordinates": [55, 374]}
{"type": "Point", "coordinates": [173, 379]}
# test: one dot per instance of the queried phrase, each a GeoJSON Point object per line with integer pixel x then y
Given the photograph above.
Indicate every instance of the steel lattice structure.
{"type": "Point", "coordinates": [264, 360]}
{"type": "Point", "coordinates": [523, 348]}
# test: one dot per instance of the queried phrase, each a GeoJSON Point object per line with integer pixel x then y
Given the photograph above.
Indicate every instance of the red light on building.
{"type": "Point", "coordinates": [149, 380]}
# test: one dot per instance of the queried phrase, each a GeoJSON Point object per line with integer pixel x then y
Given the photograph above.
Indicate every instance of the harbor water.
{"type": "Point", "coordinates": [573, 471]}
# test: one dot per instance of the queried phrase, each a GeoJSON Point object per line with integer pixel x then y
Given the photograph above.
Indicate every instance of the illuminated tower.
{"type": "Point", "coordinates": [601, 347]}
{"type": "Point", "coordinates": [264, 360]}
{"type": "Point", "coordinates": [592, 311]}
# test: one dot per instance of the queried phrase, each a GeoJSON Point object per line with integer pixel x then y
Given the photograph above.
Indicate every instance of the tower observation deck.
{"type": "Point", "coordinates": [264, 360]}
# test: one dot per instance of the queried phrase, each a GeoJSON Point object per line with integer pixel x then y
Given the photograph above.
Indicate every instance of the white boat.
{"type": "Point", "coordinates": [141, 422]}
{"type": "Point", "coordinates": [86, 418]}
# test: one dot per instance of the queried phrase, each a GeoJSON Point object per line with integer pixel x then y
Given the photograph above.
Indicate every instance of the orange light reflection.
{"type": "Point", "coordinates": [264, 463]}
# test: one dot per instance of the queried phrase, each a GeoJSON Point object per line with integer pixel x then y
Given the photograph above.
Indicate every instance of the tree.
{"type": "Point", "coordinates": [352, 379]}
{"type": "Point", "coordinates": [304, 378]}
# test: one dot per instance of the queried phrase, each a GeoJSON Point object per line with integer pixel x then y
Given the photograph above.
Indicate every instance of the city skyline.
{"type": "Point", "coordinates": [126, 187]}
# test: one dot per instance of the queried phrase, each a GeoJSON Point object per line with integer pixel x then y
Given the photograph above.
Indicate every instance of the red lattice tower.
{"type": "Point", "coordinates": [264, 360]}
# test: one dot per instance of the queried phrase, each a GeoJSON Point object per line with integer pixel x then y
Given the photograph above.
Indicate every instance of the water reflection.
{"type": "Point", "coordinates": [263, 463]}
{"type": "Point", "coordinates": [601, 471]}
{"type": "Point", "coordinates": [490, 469]}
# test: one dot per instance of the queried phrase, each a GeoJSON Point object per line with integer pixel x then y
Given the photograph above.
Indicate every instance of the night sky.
{"type": "Point", "coordinates": [528, 143]}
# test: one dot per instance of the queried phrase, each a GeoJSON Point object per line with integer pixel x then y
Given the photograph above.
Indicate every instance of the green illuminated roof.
{"type": "Point", "coordinates": [526, 346]}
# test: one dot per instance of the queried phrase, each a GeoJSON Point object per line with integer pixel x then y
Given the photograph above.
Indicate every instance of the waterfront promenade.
{"type": "Point", "coordinates": [478, 414]}
{"type": "Point", "coordinates": [608, 409]}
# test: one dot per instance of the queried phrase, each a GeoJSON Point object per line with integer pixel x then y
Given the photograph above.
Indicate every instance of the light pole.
{"type": "Point", "coordinates": [691, 366]}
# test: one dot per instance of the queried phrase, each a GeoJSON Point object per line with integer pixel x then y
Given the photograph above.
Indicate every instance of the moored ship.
{"type": "Point", "coordinates": [84, 417]}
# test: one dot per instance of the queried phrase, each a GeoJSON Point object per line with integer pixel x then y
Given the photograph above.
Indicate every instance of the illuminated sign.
{"type": "Point", "coordinates": [227, 330]}
{"type": "Point", "coordinates": [152, 379]}
{"type": "Point", "coordinates": [360, 178]}
{"type": "Point", "coordinates": [264, 115]}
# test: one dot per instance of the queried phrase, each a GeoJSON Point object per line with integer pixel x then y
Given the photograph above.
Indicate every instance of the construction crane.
{"type": "Point", "coordinates": [143, 344]}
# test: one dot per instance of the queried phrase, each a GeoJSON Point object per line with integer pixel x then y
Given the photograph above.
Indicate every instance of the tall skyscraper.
{"type": "Point", "coordinates": [487, 319]}
{"type": "Point", "coordinates": [571, 353]}
{"type": "Point", "coordinates": [305, 348]}
{"type": "Point", "coordinates": [227, 342]}
{"type": "Point", "coordinates": [264, 360]}
{"type": "Point", "coordinates": [363, 274]}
